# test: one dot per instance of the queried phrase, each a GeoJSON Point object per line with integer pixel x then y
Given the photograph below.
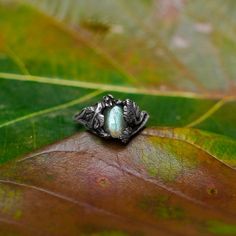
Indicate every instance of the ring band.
{"type": "Point", "coordinates": [113, 118]}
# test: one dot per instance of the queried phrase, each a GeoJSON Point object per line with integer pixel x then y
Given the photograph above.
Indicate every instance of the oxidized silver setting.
{"type": "Point", "coordinates": [93, 117]}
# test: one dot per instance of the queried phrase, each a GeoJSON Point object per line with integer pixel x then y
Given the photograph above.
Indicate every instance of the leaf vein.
{"type": "Point", "coordinates": [210, 112]}
{"type": "Point", "coordinates": [51, 109]}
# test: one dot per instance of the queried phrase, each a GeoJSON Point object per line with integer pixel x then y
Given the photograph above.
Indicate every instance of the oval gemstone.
{"type": "Point", "coordinates": [114, 123]}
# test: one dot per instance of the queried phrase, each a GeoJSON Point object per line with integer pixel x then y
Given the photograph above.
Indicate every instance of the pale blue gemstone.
{"type": "Point", "coordinates": [114, 122]}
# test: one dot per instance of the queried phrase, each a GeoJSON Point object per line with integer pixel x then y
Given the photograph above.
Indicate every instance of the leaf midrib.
{"type": "Point", "coordinates": [151, 133]}
{"type": "Point", "coordinates": [109, 87]}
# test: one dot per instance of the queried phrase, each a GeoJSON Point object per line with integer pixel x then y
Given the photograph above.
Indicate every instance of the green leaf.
{"type": "Point", "coordinates": [176, 59]}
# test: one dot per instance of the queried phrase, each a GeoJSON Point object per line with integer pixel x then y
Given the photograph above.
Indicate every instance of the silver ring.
{"type": "Point", "coordinates": [113, 118]}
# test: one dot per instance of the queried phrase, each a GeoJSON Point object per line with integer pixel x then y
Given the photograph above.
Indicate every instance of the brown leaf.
{"type": "Point", "coordinates": [86, 186]}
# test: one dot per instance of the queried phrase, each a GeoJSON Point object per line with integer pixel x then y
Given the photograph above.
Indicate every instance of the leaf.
{"type": "Point", "coordinates": [175, 59]}
{"type": "Point", "coordinates": [155, 185]}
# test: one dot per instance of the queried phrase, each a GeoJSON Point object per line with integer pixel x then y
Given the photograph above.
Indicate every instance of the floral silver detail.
{"type": "Point", "coordinates": [93, 119]}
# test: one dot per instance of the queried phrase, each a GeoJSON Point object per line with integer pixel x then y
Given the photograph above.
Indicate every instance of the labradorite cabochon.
{"type": "Point", "coordinates": [114, 121]}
